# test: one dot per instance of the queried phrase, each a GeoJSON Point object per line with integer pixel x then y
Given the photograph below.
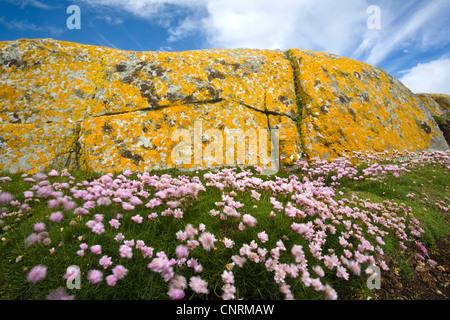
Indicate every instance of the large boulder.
{"type": "Point", "coordinates": [127, 107]}
{"type": "Point", "coordinates": [352, 106]}
{"type": "Point", "coordinates": [69, 105]}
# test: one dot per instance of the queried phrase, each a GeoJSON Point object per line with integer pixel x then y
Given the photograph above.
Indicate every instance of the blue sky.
{"type": "Point", "coordinates": [411, 41]}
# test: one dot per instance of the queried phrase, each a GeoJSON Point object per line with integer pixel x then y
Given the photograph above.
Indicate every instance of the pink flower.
{"type": "Point", "coordinates": [111, 280]}
{"type": "Point", "coordinates": [190, 231]}
{"type": "Point", "coordinates": [114, 223]}
{"type": "Point", "coordinates": [39, 227]}
{"type": "Point", "coordinates": [318, 270]}
{"type": "Point", "coordinates": [198, 285]}
{"type": "Point", "coordinates": [125, 251]}
{"type": "Point", "coordinates": [255, 195]}
{"type": "Point", "coordinates": [105, 261]}
{"type": "Point", "coordinates": [330, 293]}
{"type": "Point", "coordinates": [137, 218]}
{"type": "Point", "coordinates": [36, 274]}
{"type": "Point", "coordinates": [227, 277]}
{"type": "Point", "coordinates": [56, 216]}
{"type": "Point", "coordinates": [228, 292]}
{"type": "Point", "coordinates": [28, 194]}
{"type": "Point", "coordinates": [119, 272]}
{"type": "Point", "coordinates": [238, 260]}
{"type": "Point", "coordinates": [59, 294]}
{"type": "Point", "coordinates": [127, 206]}
{"type": "Point", "coordinates": [342, 273]}
{"type": "Point", "coordinates": [32, 239]}
{"type": "Point", "coordinates": [5, 197]}
{"type": "Point", "coordinates": [97, 249]}
{"type": "Point", "coordinates": [175, 294]}
{"type": "Point", "coordinates": [98, 228]}
{"type": "Point", "coordinates": [182, 251]}
{"type": "Point", "coordinates": [249, 220]}
{"type": "Point", "coordinates": [95, 276]}
{"type": "Point", "coordinates": [71, 272]}
{"type": "Point", "coordinates": [119, 237]}
{"type": "Point", "coordinates": [178, 214]}
{"type": "Point", "coordinates": [228, 243]}
{"type": "Point", "coordinates": [207, 240]}
{"type": "Point", "coordinates": [153, 216]}
{"type": "Point", "coordinates": [263, 237]}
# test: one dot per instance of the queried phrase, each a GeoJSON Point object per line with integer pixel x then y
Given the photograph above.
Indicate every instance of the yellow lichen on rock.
{"type": "Point", "coordinates": [71, 105]}
{"type": "Point", "coordinates": [351, 106]}
{"type": "Point", "coordinates": [436, 103]}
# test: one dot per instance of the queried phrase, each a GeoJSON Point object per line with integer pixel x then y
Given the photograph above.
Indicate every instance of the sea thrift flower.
{"type": "Point", "coordinates": [97, 249]}
{"type": "Point", "coordinates": [105, 262]}
{"type": "Point", "coordinates": [263, 237]}
{"type": "Point", "coordinates": [28, 194]}
{"type": "Point", "coordinates": [95, 276]}
{"type": "Point", "coordinates": [98, 228]}
{"type": "Point", "coordinates": [153, 216]}
{"type": "Point", "coordinates": [56, 216]}
{"type": "Point", "coordinates": [330, 293]}
{"type": "Point", "coordinates": [182, 251]}
{"type": "Point", "coordinates": [255, 195]}
{"type": "Point", "coordinates": [137, 218]}
{"type": "Point", "coordinates": [6, 197]}
{"type": "Point", "coordinates": [119, 272]}
{"type": "Point", "coordinates": [111, 280]}
{"type": "Point", "coordinates": [190, 231]}
{"type": "Point", "coordinates": [175, 294]}
{"type": "Point", "coordinates": [59, 294]}
{"type": "Point", "coordinates": [198, 285]}
{"type": "Point", "coordinates": [207, 240]}
{"type": "Point", "coordinates": [36, 274]}
{"type": "Point", "coordinates": [32, 239]}
{"type": "Point", "coordinates": [39, 227]}
{"type": "Point", "coordinates": [227, 277]}
{"type": "Point", "coordinates": [238, 260]}
{"type": "Point", "coordinates": [228, 243]}
{"type": "Point", "coordinates": [114, 223]}
{"type": "Point", "coordinates": [125, 251]}
{"type": "Point", "coordinates": [249, 220]}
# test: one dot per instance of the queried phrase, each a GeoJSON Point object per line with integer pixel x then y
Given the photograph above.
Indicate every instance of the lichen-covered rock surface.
{"type": "Point", "coordinates": [436, 103]}
{"type": "Point", "coordinates": [68, 105]}
{"type": "Point", "coordinates": [349, 105]}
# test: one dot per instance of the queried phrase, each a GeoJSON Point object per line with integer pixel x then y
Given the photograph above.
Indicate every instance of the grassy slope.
{"type": "Point", "coordinates": [428, 184]}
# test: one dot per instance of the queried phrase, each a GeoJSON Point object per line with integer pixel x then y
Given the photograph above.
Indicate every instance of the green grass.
{"type": "Point", "coordinates": [429, 184]}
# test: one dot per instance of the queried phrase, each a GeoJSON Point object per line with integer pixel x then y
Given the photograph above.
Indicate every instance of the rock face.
{"type": "Point", "coordinates": [67, 105]}
{"type": "Point", "coordinates": [348, 105]}
{"type": "Point", "coordinates": [436, 103]}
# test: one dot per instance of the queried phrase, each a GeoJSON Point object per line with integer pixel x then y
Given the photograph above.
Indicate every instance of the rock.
{"type": "Point", "coordinates": [436, 103]}
{"type": "Point", "coordinates": [352, 106]}
{"type": "Point", "coordinates": [69, 105]}
{"type": "Point", "coordinates": [445, 128]}
{"type": "Point", "coordinates": [127, 105]}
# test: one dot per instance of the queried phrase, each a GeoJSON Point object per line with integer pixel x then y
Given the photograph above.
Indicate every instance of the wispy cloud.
{"type": "Point", "coordinates": [406, 27]}
{"type": "Point", "coordinates": [25, 25]}
{"type": "Point", "coordinates": [32, 3]}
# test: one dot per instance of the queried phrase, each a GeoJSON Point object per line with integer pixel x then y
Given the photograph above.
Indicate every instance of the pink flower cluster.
{"type": "Point", "coordinates": [307, 206]}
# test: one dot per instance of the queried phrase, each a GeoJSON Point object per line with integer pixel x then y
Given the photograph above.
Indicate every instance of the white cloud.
{"type": "Point", "coordinates": [431, 77]}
